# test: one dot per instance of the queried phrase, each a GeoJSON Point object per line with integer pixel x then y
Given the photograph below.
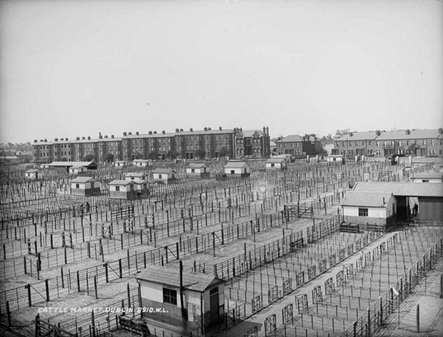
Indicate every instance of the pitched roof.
{"type": "Point", "coordinates": [163, 170]}
{"type": "Point", "coordinates": [413, 134]}
{"type": "Point", "coordinates": [236, 164]}
{"type": "Point", "coordinates": [31, 171]}
{"type": "Point", "coordinates": [83, 180]}
{"type": "Point", "coordinates": [121, 182]}
{"type": "Point", "coordinates": [291, 138]}
{"type": "Point", "coordinates": [135, 174]}
{"type": "Point", "coordinates": [250, 133]}
{"type": "Point", "coordinates": [276, 160]}
{"type": "Point", "coordinates": [71, 163]}
{"type": "Point", "coordinates": [402, 189]}
{"type": "Point", "coordinates": [171, 277]}
{"type": "Point", "coordinates": [197, 165]}
{"type": "Point", "coordinates": [371, 135]}
{"type": "Point", "coordinates": [366, 199]}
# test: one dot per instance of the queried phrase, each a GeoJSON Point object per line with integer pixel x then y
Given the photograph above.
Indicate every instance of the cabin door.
{"type": "Point", "coordinates": [213, 304]}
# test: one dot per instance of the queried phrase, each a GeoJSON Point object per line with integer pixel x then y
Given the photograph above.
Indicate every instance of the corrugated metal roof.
{"type": "Point", "coordinates": [236, 164]}
{"type": "Point", "coordinates": [171, 277]}
{"type": "Point", "coordinates": [83, 180]}
{"type": "Point", "coordinates": [366, 199]}
{"type": "Point", "coordinates": [402, 189]}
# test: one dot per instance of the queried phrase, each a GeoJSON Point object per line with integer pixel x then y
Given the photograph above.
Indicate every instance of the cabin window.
{"type": "Point", "coordinates": [192, 170]}
{"type": "Point", "coordinates": [362, 212]}
{"type": "Point", "coordinates": [272, 165]}
{"type": "Point", "coordinates": [77, 185]}
{"type": "Point", "coordinates": [425, 181]}
{"type": "Point", "coordinates": [117, 188]}
{"type": "Point", "coordinates": [159, 176]}
{"type": "Point", "coordinates": [169, 296]}
{"type": "Point", "coordinates": [232, 171]}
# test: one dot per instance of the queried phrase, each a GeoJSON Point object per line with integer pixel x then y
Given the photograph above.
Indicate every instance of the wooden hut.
{"type": "Point", "coordinates": [163, 174]}
{"type": "Point", "coordinates": [85, 186]}
{"type": "Point", "coordinates": [237, 169]}
{"type": "Point", "coordinates": [197, 170]}
{"type": "Point", "coordinates": [122, 189]}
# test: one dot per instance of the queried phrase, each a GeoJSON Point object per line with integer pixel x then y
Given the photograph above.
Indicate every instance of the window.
{"type": "Point", "coordinates": [159, 176]}
{"type": "Point", "coordinates": [232, 171]}
{"type": "Point", "coordinates": [424, 141]}
{"type": "Point", "coordinates": [117, 188]}
{"type": "Point", "coordinates": [362, 212]}
{"type": "Point", "coordinates": [77, 185]}
{"type": "Point", "coordinates": [192, 170]}
{"type": "Point", "coordinates": [377, 144]}
{"type": "Point", "coordinates": [169, 296]}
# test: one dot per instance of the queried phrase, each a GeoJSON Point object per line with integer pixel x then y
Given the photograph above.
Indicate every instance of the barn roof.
{"type": "Point", "coordinates": [171, 277]}
{"type": "Point", "coordinates": [366, 199]}
{"type": "Point", "coordinates": [402, 189]}
{"type": "Point", "coordinates": [83, 180]}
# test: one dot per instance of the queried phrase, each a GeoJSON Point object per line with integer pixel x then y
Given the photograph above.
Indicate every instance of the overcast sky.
{"type": "Point", "coordinates": [77, 68]}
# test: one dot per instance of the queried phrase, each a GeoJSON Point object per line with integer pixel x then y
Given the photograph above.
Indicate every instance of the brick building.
{"type": "Point", "coordinates": [385, 143]}
{"type": "Point", "coordinates": [298, 146]}
{"type": "Point", "coordinates": [206, 143]}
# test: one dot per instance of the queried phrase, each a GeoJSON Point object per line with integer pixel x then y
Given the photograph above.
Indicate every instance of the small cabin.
{"type": "Point", "coordinates": [77, 169]}
{"type": "Point", "coordinates": [276, 164]}
{"type": "Point", "coordinates": [197, 171]}
{"type": "Point", "coordinates": [141, 162]}
{"type": "Point", "coordinates": [120, 163]}
{"type": "Point", "coordinates": [430, 177]}
{"type": "Point", "coordinates": [335, 158]}
{"type": "Point", "coordinates": [85, 186]}
{"type": "Point", "coordinates": [135, 176]}
{"type": "Point", "coordinates": [369, 209]}
{"type": "Point", "coordinates": [141, 187]}
{"type": "Point", "coordinates": [165, 175]}
{"type": "Point", "coordinates": [198, 301]}
{"type": "Point", "coordinates": [237, 169]}
{"type": "Point", "coordinates": [122, 189]}
{"type": "Point", "coordinates": [32, 174]}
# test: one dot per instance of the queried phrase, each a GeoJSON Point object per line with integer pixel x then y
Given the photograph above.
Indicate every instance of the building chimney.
{"type": "Point", "coordinates": [220, 128]}
{"type": "Point", "coordinates": [112, 136]}
{"type": "Point", "coordinates": [384, 201]}
{"type": "Point", "coordinates": [191, 129]}
{"type": "Point", "coordinates": [35, 140]}
{"type": "Point", "coordinates": [206, 129]}
{"type": "Point", "coordinates": [209, 129]}
{"type": "Point", "coordinates": [77, 138]}
{"type": "Point", "coordinates": [83, 138]}
{"type": "Point", "coordinates": [55, 139]}
{"type": "Point", "coordinates": [100, 135]}
{"type": "Point", "coordinates": [408, 132]}
{"type": "Point", "coordinates": [124, 134]}
{"type": "Point", "coordinates": [137, 133]}
{"type": "Point", "coordinates": [129, 133]}
{"type": "Point", "coordinates": [177, 130]}
{"type": "Point", "coordinates": [106, 136]}
{"type": "Point", "coordinates": [89, 137]}
{"type": "Point", "coordinates": [150, 132]}
{"type": "Point", "coordinates": [155, 132]}
{"type": "Point", "coordinates": [163, 132]}
{"type": "Point", "coordinates": [181, 130]}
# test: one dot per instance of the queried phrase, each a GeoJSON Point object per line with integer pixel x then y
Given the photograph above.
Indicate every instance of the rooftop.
{"type": "Point", "coordinates": [171, 277]}
{"type": "Point", "coordinates": [401, 188]}
{"type": "Point", "coordinates": [368, 199]}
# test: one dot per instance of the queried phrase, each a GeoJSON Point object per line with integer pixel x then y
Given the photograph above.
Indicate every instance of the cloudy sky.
{"type": "Point", "coordinates": [77, 68]}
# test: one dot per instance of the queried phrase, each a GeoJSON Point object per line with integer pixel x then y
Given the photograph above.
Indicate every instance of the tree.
{"type": "Point", "coordinates": [89, 157]}
{"type": "Point", "coordinates": [136, 155]}
{"type": "Point", "coordinates": [224, 152]}
{"type": "Point", "coordinates": [200, 153]}
{"type": "Point", "coordinates": [153, 155]}
{"type": "Point", "coordinates": [109, 157]}
{"type": "Point", "coordinates": [172, 154]}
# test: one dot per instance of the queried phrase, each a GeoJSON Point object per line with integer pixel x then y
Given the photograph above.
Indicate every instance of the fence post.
{"type": "Point", "coordinates": [47, 290]}
{"type": "Point", "coordinates": [95, 287]}
{"type": "Point", "coordinates": [418, 318]}
{"type": "Point", "coordinates": [28, 286]}
{"type": "Point", "coordinates": [78, 280]}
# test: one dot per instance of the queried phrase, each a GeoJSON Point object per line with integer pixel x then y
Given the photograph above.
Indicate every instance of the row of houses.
{"type": "Point", "coordinates": [192, 144]}
{"type": "Point", "coordinates": [386, 143]}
